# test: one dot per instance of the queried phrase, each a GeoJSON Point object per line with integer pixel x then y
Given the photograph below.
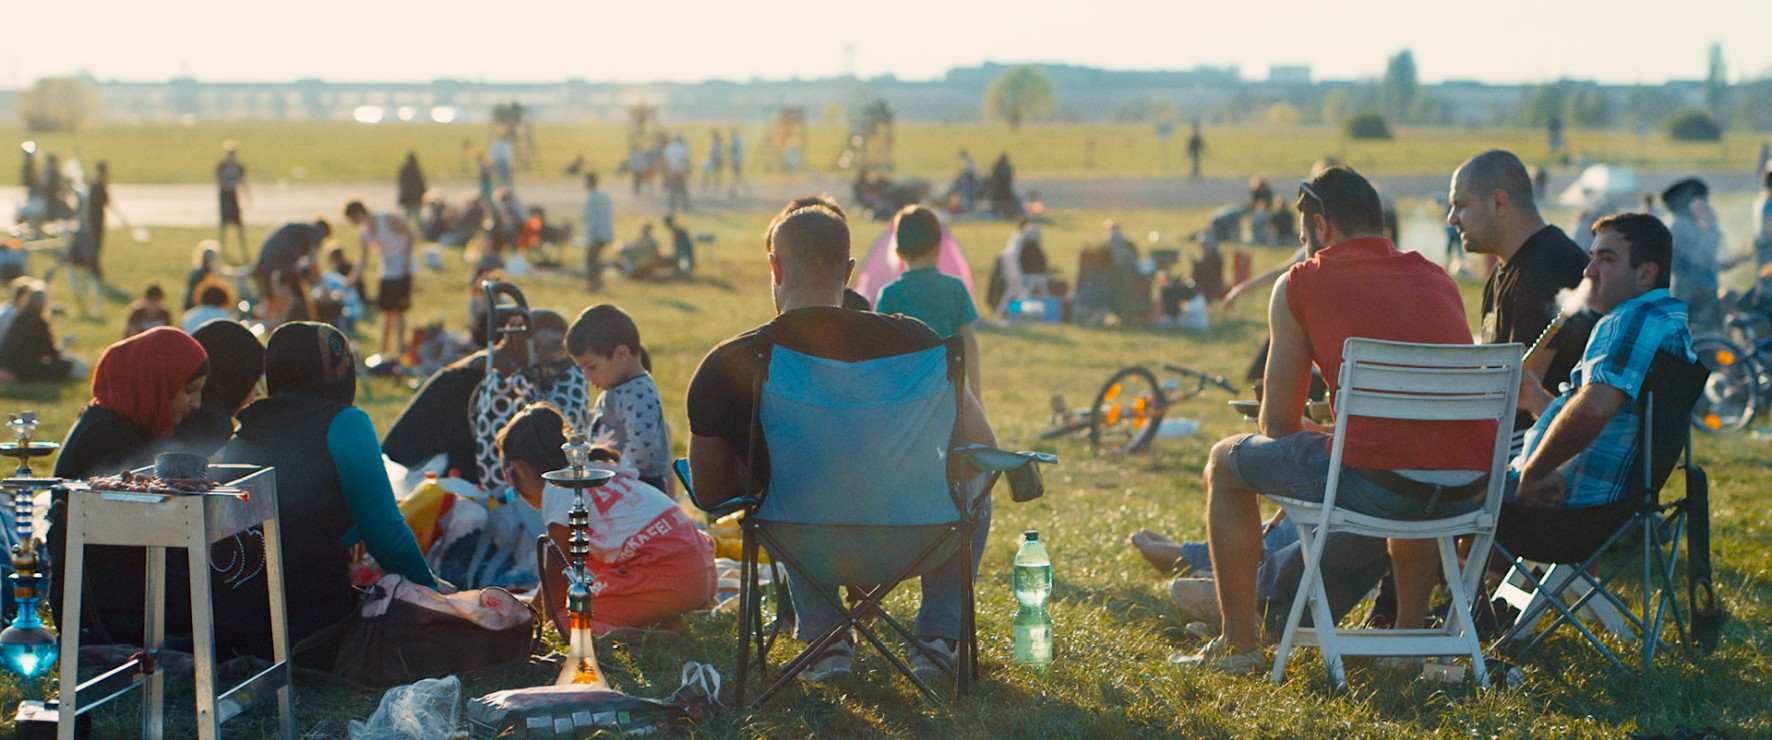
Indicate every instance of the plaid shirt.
{"type": "Point", "coordinates": [1618, 354]}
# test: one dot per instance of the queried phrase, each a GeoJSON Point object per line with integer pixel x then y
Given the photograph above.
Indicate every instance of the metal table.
{"type": "Point", "coordinates": [193, 522]}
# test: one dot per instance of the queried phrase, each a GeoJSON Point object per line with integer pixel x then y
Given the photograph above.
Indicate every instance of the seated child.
{"type": "Point", "coordinates": [146, 312]}
{"type": "Point", "coordinates": [651, 564]}
{"type": "Point", "coordinates": [214, 298]}
{"type": "Point", "coordinates": [925, 294]}
{"type": "Point", "coordinates": [628, 417]}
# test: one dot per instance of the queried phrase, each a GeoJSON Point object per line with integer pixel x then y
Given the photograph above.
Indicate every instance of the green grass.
{"type": "Point", "coordinates": [336, 151]}
{"type": "Point", "coordinates": [1114, 625]}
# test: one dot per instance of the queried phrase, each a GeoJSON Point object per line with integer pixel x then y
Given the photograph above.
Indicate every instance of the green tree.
{"type": "Point", "coordinates": [1397, 90]}
{"type": "Point", "coordinates": [1589, 107]}
{"type": "Point", "coordinates": [1650, 104]}
{"type": "Point", "coordinates": [1023, 93]}
{"type": "Point", "coordinates": [1368, 125]}
{"type": "Point", "coordinates": [1693, 125]}
{"type": "Point", "coordinates": [1545, 102]}
{"type": "Point", "coordinates": [58, 104]}
{"type": "Point", "coordinates": [1755, 109]}
{"type": "Point", "coordinates": [1716, 85]}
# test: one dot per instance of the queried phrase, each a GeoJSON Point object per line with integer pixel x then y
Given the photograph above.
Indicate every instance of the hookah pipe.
{"type": "Point", "coordinates": [581, 658]}
{"type": "Point", "coordinates": [27, 648]}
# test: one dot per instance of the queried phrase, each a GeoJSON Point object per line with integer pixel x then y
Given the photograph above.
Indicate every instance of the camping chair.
{"type": "Point", "coordinates": [865, 487]}
{"type": "Point", "coordinates": [1642, 525]}
{"type": "Point", "coordinates": [1422, 382]}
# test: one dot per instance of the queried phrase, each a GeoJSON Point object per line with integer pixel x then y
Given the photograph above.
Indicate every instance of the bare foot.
{"type": "Point", "coordinates": [1161, 552]}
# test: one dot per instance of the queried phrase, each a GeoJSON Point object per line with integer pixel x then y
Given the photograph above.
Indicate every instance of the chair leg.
{"type": "Point", "coordinates": [1461, 621]}
{"type": "Point", "coordinates": [1288, 637]}
{"type": "Point", "coordinates": [746, 596]}
{"type": "Point", "coordinates": [965, 665]}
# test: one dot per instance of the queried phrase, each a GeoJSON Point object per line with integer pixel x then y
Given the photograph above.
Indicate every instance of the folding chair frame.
{"type": "Point", "coordinates": [1656, 525]}
{"type": "Point", "coordinates": [753, 634]}
{"type": "Point", "coordinates": [1369, 376]}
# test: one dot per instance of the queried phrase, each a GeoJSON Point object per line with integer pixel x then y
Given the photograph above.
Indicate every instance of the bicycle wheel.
{"type": "Point", "coordinates": [1731, 396]}
{"type": "Point", "coordinates": [1127, 411]}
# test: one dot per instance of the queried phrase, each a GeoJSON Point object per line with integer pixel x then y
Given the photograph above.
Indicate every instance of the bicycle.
{"type": "Point", "coordinates": [1129, 408]}
{"type": "Point", "coordinates": [1740, 384]}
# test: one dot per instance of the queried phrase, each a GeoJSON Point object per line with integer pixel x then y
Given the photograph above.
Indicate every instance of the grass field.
{"type": "Point", "coordinates": [274, 151]}
{"type": "Point", "coordinates": [1114, 624]}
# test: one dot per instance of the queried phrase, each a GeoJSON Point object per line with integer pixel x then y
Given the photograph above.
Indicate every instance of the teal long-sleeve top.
{"type": "Point", "coordinates": [356, 453]}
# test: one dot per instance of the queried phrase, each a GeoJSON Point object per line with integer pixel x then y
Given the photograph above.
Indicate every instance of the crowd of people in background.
{"type": "Point", "coordinates": [187, 376]}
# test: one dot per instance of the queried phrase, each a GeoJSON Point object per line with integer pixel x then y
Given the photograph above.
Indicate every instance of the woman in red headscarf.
{"type": "Point", "coordinates": [141, 388]}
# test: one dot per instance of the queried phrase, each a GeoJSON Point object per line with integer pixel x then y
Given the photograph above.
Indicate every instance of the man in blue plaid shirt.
{"type": "Point", "coordinates": [1577, 454]}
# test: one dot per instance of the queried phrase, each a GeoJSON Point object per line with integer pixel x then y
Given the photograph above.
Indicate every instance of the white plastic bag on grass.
{"type": "Point", "coordinates": [420, 711]}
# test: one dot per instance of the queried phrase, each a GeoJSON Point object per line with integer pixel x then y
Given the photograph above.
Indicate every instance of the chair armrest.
{"type": "Point", "coordinates": [1024, 476]}
{"type": "Point", "coordinates": [715, 510]}
{"type": "Point", "coordinates": [989, 459]}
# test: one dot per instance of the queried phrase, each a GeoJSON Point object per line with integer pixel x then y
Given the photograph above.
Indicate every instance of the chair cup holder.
{"type": "Point", "coordinates": [1025, 483]}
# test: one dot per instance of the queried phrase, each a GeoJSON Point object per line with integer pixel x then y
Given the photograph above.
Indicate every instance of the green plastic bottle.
{"type": "Point", "coordinates": [1032, 582]}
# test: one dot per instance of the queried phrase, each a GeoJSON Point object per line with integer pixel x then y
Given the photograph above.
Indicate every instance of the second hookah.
{"type": "Point", "coordinates": [581, 656]}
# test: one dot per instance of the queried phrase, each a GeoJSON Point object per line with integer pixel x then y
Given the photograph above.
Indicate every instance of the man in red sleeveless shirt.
{"type": "Point", "coordinates": [1355, 283]}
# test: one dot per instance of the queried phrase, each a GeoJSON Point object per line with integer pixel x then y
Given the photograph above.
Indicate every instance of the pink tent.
{"type": "Point", "coordinates": [882, 265]}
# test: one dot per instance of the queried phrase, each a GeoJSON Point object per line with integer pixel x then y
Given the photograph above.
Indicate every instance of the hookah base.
{"type": "Point", "coordinates": [36, 720]}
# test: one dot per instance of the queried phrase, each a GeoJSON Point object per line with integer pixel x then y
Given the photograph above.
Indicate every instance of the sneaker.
{"type": "Point", "coordinates": [1196, 598]}
{"type": "Point", "coordinates": [944, 651]}
{"type": "Point", "coordinates": [836, 663]}
{"type": "Point", "coordinates": [1217, 656]}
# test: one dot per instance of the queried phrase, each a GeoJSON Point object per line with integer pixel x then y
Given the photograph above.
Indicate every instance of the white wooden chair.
{"type": "Point", "coordinates": [1425, 382]}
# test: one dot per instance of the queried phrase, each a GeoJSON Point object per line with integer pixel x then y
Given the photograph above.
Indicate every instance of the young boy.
{"type": "Point", "coordinates": [923, 293]}
{"type": "Point", "coordinates": [628, 417]}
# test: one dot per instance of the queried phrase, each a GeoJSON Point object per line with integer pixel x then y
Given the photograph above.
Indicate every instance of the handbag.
{"type": "Point", "coordinates": [403, 632]}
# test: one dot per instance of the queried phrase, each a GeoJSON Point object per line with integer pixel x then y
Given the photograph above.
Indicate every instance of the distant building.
{"type": "Point", "coordinates": [1289, 74]}
{"type": "Point", "coordinates": [1213, 94]}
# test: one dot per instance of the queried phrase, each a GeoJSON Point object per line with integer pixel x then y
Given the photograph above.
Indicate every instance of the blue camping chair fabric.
{"type": "Point", "coordinates": [1640, 524]}
{"type": "Point", "coordinates": [866, 489]}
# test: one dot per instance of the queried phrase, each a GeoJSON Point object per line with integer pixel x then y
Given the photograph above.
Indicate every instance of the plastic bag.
{"type": "Point", "coordinates": [427, 709]}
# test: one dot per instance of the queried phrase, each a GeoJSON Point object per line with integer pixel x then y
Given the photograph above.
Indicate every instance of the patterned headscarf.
{"type": "Point", "coordinates": [310, 356]}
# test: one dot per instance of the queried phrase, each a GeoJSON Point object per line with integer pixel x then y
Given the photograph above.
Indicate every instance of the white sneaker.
{"type": "Point", "coordinates": [1196, 598]}
{"type": "Point", "coordinates": [836, 663]}
{"type": "Point", "coordinates": [944, 651]}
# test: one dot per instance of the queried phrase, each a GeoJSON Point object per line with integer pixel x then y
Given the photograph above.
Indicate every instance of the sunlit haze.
{"type": "Point", "coordinates": [1620, 41]}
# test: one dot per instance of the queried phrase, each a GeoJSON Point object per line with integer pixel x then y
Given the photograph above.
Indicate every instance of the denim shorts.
{"type": "Point", "coordinates": [1296, 466]}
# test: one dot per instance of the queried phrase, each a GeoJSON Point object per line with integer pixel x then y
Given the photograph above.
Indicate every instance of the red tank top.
{"type": "Point", "coordinates": [1365, 287]}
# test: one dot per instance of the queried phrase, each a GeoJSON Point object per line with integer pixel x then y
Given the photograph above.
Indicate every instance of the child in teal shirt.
{"type": "Point", "coordinates": [924, 293]}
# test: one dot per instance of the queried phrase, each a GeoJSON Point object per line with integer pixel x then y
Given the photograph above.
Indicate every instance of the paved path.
{"type": "Point", "coordinates": [273, 203]}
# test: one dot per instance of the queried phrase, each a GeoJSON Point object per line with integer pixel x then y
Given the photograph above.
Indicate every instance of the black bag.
{"type": "Point", "coordinates": [403, 632]}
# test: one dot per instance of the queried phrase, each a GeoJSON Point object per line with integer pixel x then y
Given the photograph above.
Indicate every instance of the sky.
{"type": "Point", "coordinates": [1498, 41]}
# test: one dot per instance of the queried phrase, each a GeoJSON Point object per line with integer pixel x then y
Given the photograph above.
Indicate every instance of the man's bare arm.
{"type": "Point", "coordinates": [1576, 426]}
{"type": "Point", "coordinates": [1286, 379]}
{"type": "Point", "coordinates": [974, 375]}
{"type": "Point", "coordinates": [716, 469]}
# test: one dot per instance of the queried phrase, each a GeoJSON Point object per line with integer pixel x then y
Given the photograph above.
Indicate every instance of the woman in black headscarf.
{"type": "Point", "coordinates": [330, 485]}
{"type": "Point", "coordinates": [236, 364]}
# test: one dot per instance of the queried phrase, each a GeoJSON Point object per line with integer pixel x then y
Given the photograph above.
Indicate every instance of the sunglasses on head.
{"type": "Point", "coordinates": [1305, 191]}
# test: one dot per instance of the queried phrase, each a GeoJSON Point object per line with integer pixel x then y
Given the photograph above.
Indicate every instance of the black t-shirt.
{"type": "Point", "coordinates": [1520, 299]}
{"type": "Point", "coordinates": [719, 397]}
{"type": "Point", "coordinates": [287, 246]}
